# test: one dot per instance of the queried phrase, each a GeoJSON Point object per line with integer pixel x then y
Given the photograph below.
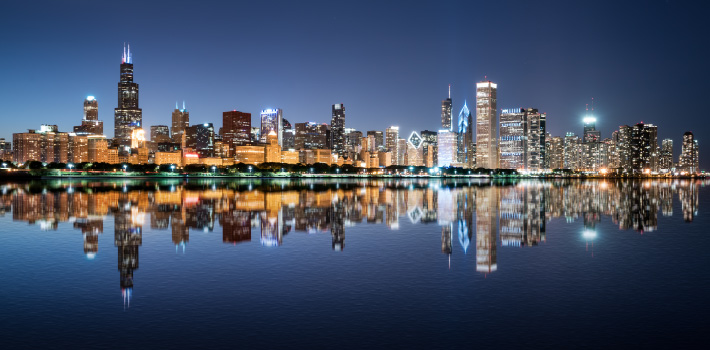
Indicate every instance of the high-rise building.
{"type": "Point", "coordinates": [236, 129]}
{"type": "Point", "coordinates": [446, 112]}
{"type": "Point", "coordinates": [666, 159]}
{"type": "Point", "coordinates": [689, 160]}
{"type": "Point", "coordinates": [289, 135]}
{"type": "Point", "coordinates": [556, 152]}
{"type": "Point", "coordinates": [272, 120]}
{"type": "Point", "coordinates": [180, 121]}
{"type": "Point", "coordinates": [429, 138]}
{"type": "Point", "coordinates": [522, 139]}
{"type": "Point", "coordinates": [337, 129]}
{"type": "Point", "coordinates": [446, 142]}
{"type": "Point", "coordinates": [5, 149]}
{"type": "Point", "coordinates": [391, 137]}
{"type": "Point", "coordinates": [200, 137]}
{"type": "Point", "coordinates": [465, 135]}
{"type": "Point", "coordinates": [160, 133]}
{"type": "Point", "coordinates": [414, 150]}
{"type": "Point", "coordinates": [91, 123]}
{"type": "Point", "coordinates": [127, 116]}
{"type": "Point", "coordinates": [571, 151]}
{"type": "Point", "coordinates": [379, 144]}
{"type": "Point", "coordinates": [401, 152]}
{"type": "Point", "coordinates": [352, 138]}
{"type": "Point", "coordinates": [643, 145]}
{"type": "Point", "coordinates": [486, 125]}
{"type": "Point", "coordinates": [311, 135]}
{"type": "Point", "coordinates": [591, 134]}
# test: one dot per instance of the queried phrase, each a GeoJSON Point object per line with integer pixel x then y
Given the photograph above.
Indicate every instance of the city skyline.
{"type": "Point", "coordinates": [383, 96]}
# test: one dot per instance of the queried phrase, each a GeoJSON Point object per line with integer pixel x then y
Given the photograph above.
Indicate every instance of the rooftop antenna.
{"type": "Point", "coordinates": [176, 106]}
{"type": "Point", "coordinates": [449, 91]}
{"type": "Point", "coordinates": [592, 104]}
{"type": "Point", "coordinates": [183, 104]}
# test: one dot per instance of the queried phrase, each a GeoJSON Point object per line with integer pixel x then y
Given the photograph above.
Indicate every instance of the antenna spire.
{"type": "Point", "coordinates": [176, 106]}
{"type": "Point", "coordinates": [123, 58]}
{"type": "Point", "coordinates": [129, 54]}
{"type": "Point", "coordinates": [183, 104]}
{"type": "Point", "coordinates": [449, 91]}
{"type": "Point", "coordinates": [592, 104]}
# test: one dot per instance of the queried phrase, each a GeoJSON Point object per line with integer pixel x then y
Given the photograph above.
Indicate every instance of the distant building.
{"type": "Point", "coordinates": [447, 142]}
{"type": "Point", "coordinates": [429, 144]}
{"type": "Point", "coordinates": [289, 135]}
{"type": "Point", "coordinates": [311, 135]}
{"type": "Point", "coordinates": [446, 112]}
{"type": "Point", "coordinates": [180, 122]}
{"type": "Point", "coordinates": [391, 137]}
{"type": "Point", "coordinates": [271, 120]}
{"type": "Point", "coordinates": [689, 160]}
{"type": "Point", "coordinates": [486, 125]}
{"type": "Point", "coordinates": [236, 130]}
{"type": "Point", "coordinates": [200, 137]}
{"type": "Point", "coordinates": [521, 140]}
{"type": "Point", "coordinates": [337, 128]}
{"type": "Point", "coordinates": [127, 115]}
{"type": "Point", "coordinates": [379, 137]}
{"type": "Point", "coordinates": [160, 133]}
{"type": "Point", "coordinates": [415, 155]}
{"type": "Point", "coordinates": [90, 124]}
{"type": "Point", "coordinates": [666, 159]}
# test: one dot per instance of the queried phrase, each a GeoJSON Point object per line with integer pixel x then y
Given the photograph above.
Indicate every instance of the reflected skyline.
{"type": "Point", "coordinates": [470, 216]}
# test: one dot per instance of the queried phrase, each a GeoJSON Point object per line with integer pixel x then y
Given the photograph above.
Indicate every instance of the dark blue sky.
{"type": "Point", "coordinates": [388, 62]}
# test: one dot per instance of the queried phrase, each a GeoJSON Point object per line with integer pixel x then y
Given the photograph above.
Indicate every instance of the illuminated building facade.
{"type": "Point", "coordinates": [522, 139]}
{"type": "Point", "coordinates": [446, 153]}
{"type": "Point", "coordinates": [200, 137]}
{"type": "Point", "coordinates": [311, 135]}
{"type": "Point", "coordinates": [666, 158]}
{"type": "Point", "coordinates": [236, 129]}
{"type": "Point", "coordinates": [337, 128]}
{"type": "Point", "coordinates": [160, 133]}
{"type": "Point", "coordinates": [446, 112]}
{"type": "Point", "coordinates": [689, 160]}
{"type": "Point", "coordinates": [486, 125]}
{"type": "Point", "coordinates": [180, 122]}
{"type": "Point", "coordinates": [464, 136]}
{"type": "Point", "coordinates": [414, 150]}
{"type": "Point", "coordinates": [127, 116]}
{"type": "Point", "coordinates": [90, 124]}
{"type": "Point", "coordinates": [271, 120]}
{"type": "Point", "coordinates": [391, 137]}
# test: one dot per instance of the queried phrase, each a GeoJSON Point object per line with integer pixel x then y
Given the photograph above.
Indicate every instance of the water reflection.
{"type": "Point", "coordinates": [489, 216]}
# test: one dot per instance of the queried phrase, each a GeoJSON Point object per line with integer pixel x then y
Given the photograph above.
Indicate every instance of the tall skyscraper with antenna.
{"type": "Point", "coordinates": [181, 120]}
{"type": "Point", "coordinates": [127, 116]}
{"type": "Point", "coordinates": [446, 112]}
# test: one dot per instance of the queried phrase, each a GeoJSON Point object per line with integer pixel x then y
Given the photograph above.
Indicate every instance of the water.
{"type": "Point", "coordinates": [353, 264]}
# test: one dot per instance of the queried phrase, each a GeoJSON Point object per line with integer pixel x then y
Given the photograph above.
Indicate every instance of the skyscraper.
{"type": "Point", "coordinates": [337, 129]}
{"type": "Point", "coordinates": [271, 120]}
{"type": "Point", "coordinates": [486, 125]}
{"type": "Point", "coordinates": [446, 142]}
{"type": "Point", "coordinates": [127, 116]}
{"type": "Point", "coordinates": [446, 112]}
{"type": "Point", "coordinates": [236, 129]}
{"type": "Point", "coordinates": [464, 137]}
{"type": "Point", "coordinates": [289, 135]}
{"type": "Point", "coordinates": [181, 120]}
{"type": "Point", "coordinates": [391, 137]}
{"type": "Point", "coordinates": [379, 139]}
{"type": "Point", "coordinates": [666, 161]}
{"type": "Point", "coordinates": [159, 133]}
{"type": "Point", "coordinates": [689, 154]}
{"type": "Point", "coordinates": [200, 137]}
{"type": "Point", "coordinates": [91, 123]}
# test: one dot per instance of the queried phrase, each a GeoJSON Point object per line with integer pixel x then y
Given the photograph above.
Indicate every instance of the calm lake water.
{"type": "Point", "coordinates": [354, 263]}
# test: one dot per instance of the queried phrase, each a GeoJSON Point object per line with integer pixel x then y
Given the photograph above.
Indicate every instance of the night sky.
{"type": "Point", "coordinates": [389, 62]}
